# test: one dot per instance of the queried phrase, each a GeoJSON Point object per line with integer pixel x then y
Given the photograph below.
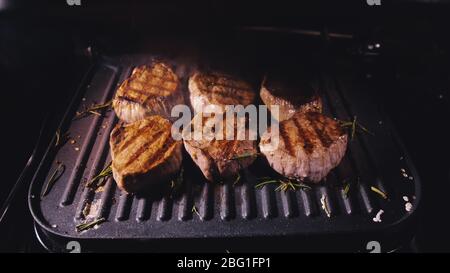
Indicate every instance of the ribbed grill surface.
{"type": "Point", "coordinates": [214, 210]}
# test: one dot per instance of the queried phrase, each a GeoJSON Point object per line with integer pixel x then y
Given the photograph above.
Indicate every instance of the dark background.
{"type": "Point", "coordinates": [43, 56]}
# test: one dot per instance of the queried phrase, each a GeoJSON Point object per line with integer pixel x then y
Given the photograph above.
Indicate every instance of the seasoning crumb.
{"type": "Point", "coordinates": [411, 178]}
{"type": "Point", "coordinates": [401, 158]}
{"type": "Point", "coordinates": [72, 141]}
{"type": "Point", "coordinates": [83, 99]}
{"type": "Point", "coordinates": [403, 170]}
{"type": "Point", "coordinates": [323, 201]}
{"type": "Point", "coordinates": [104, 126]}
{"type": "Point", "coordinates": [32, 196]}
{"type": "Point", "coordinates": [377, 218]}
{"type": "Point", "coordinates": [405, 198]}
{"type": "Point", "coordinates": [408, 206]}
{"type": "Point", "coordinates": [77, 149]}
{"type": "Point", "coordinates": [78, 136]}
{"type": "Point", "coordinates": [405, 175]}
{"type": "Point", "coordinates": [54, 226]}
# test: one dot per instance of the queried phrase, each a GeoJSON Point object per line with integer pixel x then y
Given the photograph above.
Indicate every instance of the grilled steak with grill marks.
{"type": "Point", "coordinates": [291, 94]}
{"type": "Point", "coordinates": [310, 146]}
{"type": "Point", "coordinates": [150, 90]}
{"type": "Point", "coordinates": [143, 153]}
{"type": "Point", "coordinates": [216, 158]}
{"type": "Point", "coordinates": [218, 89]}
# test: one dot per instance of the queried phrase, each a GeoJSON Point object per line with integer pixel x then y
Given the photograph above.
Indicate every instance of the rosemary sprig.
{"type": "Point", "coordinates": [94, 109]}
{"type": "Point", "coordinates": [53, 178]}
{"type": "Point", "coordinates": [379, 192]}
{"type": "Point", "coordinates": [262, 184]}
{"type": "Point", "coordinates": [283, 185]}
{"type": "Point", "coordinates": [58, 137]}
{"type": "Point", "coordinates": [97, 180]}
{"type": "Point", "coordinates": [86, 226]}
{"type": "Point", "coordinates": [354, 127]}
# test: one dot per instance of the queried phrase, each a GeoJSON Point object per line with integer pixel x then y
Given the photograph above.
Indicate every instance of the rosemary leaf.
{"type": "Point", "coordinates": [283, 185]}
{"type": "Point", "coordinates": [86, 226]}
{"type": "Point", "coordinates": [60, 138]}
{"type": "Point", "coordinates": [379, 192]}
{"type": "Point", "coordinates": [194, 209]}
{"type": "Point", "coordinates": [262, 184]}
{"type": "Point", "coordinates": [53, 178]}
{"type": "Point", "coordinates": [97, 180]}
{"type": "Point", "coordinates": [302, 186]}
{"type": "Point", "coordinates": [346, 189]}
{"type": "Point", "coordinates": [238, 178]}
{"type": "Point", "coordinates": [354, 126]}
{"type": "Point", "coordinates": [94, 109]}
{"type": "Point", "coordinates": [280, 187]}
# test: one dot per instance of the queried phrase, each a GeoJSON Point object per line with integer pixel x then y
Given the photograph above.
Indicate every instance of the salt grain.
{"type": "Point", "coordinates": [406, 198]}
{"type": "Point", "coordinates": [408, 206]}
{"type": "Point", "coordinates": [54, 226]}
{"type": "Point", "coordinates": [77, 149]}
{"type": "Point", "coordinates": [377, 217]}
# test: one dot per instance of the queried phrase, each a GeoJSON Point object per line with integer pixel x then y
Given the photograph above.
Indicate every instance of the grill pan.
{"type": "Point", "coordinates": [226, 215]}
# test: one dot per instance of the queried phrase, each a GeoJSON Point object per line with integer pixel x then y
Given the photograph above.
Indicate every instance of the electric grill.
{"type": "Point", "coordinates": [224, 217]}
{"type": "Point", "coordinates": [215, 216]}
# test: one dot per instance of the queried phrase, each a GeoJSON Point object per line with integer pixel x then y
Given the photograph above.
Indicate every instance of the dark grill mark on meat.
{"type": "Point", "coordinates": [143, 148]}
{"type": "Point", "coordinates": [147, 85]}
{"type": "Point", "coordinates": [133, 137]}
{"type": "Point", "coordinates": [324, 138]}
{"type": "Point", "coordinates": [143, 71]}
{"type": "Point", "coordinates": [284, 133]}
{"type": "Point", "coordinates": [159, 154]}
{"type": "Point", "coordinates": [127, 98]}
{"type": "Point", "coordinates": [308, 145]}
